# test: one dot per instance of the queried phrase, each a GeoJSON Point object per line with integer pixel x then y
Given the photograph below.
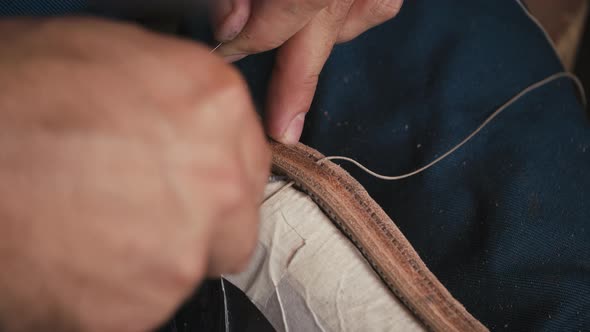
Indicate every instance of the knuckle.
{"type": "Point", "coordinates": [384, 10]}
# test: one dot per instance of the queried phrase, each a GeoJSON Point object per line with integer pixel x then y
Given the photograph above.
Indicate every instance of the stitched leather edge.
{"type": "Point", "coordinates": [375, 235]}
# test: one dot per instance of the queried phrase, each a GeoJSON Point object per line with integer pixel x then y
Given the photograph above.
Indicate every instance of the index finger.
{"type": "Point", "coordinates": [272, 23]}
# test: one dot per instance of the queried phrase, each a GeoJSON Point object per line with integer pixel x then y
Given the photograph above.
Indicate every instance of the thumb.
{"type": "Point", "coordinates": [229, 18]}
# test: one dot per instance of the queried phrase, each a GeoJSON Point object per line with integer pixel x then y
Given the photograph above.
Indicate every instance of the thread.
{"type": "Point", "coordinates": [215, 48]}
{"type": "Point", "coordinates": [225, 306]}
{"type": "Point", "coordinates": [487, 121]}
{"type": "Point", "coordinates": [497, 112]}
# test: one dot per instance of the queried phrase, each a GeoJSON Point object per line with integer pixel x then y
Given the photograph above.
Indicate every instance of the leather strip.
{"type": "Point", "coordinates": [375, 235]}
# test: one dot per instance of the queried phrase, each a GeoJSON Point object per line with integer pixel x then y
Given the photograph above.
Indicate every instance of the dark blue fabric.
{"type": "Point", "coordinates": [38, 8]}
{"type": "Point", "coordinates": [504, 222]}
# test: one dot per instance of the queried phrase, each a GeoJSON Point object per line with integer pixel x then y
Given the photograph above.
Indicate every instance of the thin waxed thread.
{"type": "Point", "coordinates": [473, 134]}
{"type": "Point", "coordinates": [509, 103]}
{"type": "Point", "coordinates": [225, 306]}
{"type": "Point", "coordinates": [458, 146]}
{"type": "Point", "coordinates": [216, 47]}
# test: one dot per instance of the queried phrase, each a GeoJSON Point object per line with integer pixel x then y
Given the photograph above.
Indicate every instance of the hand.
{"type": "Point", "coordinates": [132, 165]}
{"type": "Point", "coordinates": [306, 31]}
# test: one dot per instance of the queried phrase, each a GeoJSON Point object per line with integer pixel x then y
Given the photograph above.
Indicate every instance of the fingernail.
{"type": "Point", "coordinates": [234, 58]}
{"type": "Point", "coordinates": [293, 132]}
{"type": "Point", "coordinates": [231, 17]}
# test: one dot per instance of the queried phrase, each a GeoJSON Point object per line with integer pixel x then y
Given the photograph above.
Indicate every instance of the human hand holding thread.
{"type": "Point", "coordinates": [305, 31]}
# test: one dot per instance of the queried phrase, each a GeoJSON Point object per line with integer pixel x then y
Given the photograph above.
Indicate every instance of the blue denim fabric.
{"type": "Point", "coordinates": [505, 221]}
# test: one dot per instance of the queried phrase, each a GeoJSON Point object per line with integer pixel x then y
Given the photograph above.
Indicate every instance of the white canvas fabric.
{"type": "Point", "coordinates": [307, 276]}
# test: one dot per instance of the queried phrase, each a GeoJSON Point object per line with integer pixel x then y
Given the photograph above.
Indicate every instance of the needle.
{"type": "Point", "coordinates": [216, 47]}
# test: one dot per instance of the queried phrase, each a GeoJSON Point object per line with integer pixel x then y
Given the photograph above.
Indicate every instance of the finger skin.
{"type": "Point", "coordinates": [123, 154]}
{"type": "Point", "coordinates": [306, 32]}
{"type": "Point", "coordinates": [234, 239]}
{"type": "Point", "coordinates": [366, 14]}
{"type": "Point", "coordinates": [297, 69]}
{"type": "Point", "coordinates": [229, 18]}
{"type": "Point", "coordinates": [271, 24]}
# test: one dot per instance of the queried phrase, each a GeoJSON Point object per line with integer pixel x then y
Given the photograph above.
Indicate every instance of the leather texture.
{"type": "Point", "coordinates": [343, 202]}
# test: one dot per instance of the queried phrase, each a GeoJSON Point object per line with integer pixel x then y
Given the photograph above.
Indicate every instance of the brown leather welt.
{"type": "Point", "coordinates": [390, 254]}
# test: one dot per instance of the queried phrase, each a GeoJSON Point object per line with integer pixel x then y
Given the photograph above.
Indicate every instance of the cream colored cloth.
{"type": "Point", "coordinates": [307, 276]}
